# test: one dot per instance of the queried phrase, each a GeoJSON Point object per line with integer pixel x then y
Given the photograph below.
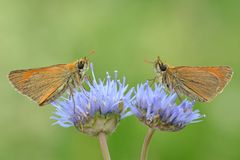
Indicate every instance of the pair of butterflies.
{"type": "Point", "coordinates": [44, 85]}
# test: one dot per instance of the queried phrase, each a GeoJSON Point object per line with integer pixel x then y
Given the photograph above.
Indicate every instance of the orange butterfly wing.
{"type": "Point", "coordinates": [204, 82]}
{"type": "Point", "coordinates": [42, 84]}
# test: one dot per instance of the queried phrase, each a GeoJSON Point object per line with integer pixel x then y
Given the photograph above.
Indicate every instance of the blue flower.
{"type": "Point", "coordinates": [158, 110]}
{"type": "Point", "coordinates": [98, 109]}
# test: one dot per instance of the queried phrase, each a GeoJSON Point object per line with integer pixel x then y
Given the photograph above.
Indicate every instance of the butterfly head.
{"type": "Point", "coordinates": [159, 66]}
{"type": "Point", "coordinates": [82, 65]}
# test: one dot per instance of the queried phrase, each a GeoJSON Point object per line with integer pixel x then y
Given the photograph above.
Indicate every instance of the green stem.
{"type": "Point", "coordinates": [146, 142]}
{"type": "Point", "coordinates": [104, 146]}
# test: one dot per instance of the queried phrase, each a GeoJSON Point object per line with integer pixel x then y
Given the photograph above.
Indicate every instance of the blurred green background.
{"type": "Point", "coordinates": [36, 33]}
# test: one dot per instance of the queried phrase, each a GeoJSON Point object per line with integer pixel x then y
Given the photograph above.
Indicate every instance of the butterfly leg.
{"type": "Point", "coordinates": [179, 97]}
{"type": "Point", "coordinates": [72, 96]}
{"type": "Point", "coordinates": [88, 78]}
{"type": "Point", "coordinates": [177, 92]}
{"type": "Point", "coordinates": [152, 81]}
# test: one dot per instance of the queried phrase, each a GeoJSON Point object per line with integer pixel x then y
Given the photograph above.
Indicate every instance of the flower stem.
{"type": "Point", "coordinates": [104, 146]}
{"type": "Point", "coordinates": [146, 142]}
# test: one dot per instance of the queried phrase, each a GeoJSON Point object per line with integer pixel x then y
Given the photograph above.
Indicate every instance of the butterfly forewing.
{"type": "Point", "coordinates": [41, 84]}
{"type": "Point", "coordinates": [201, 83]}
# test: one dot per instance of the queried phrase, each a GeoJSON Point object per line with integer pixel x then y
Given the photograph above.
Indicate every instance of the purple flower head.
{"type": "Point", "coordinates": [158, 110]}
{"type": "Point", "coordinates": [98, 109]}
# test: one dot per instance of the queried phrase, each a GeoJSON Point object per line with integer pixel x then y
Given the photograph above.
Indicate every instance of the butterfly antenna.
{"type": "Point", "coordinates": [147, 61]}
{"type": "Point", "coordinates": [159, 60]}
{"type": "Point", "coordinates": [90, 53]}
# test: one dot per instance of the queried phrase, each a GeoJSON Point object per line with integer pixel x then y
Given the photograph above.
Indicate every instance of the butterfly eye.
{"type": "Point", "coordinates": [162, 67]}
{"type": "Point", "coordinates": [80, 65]}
